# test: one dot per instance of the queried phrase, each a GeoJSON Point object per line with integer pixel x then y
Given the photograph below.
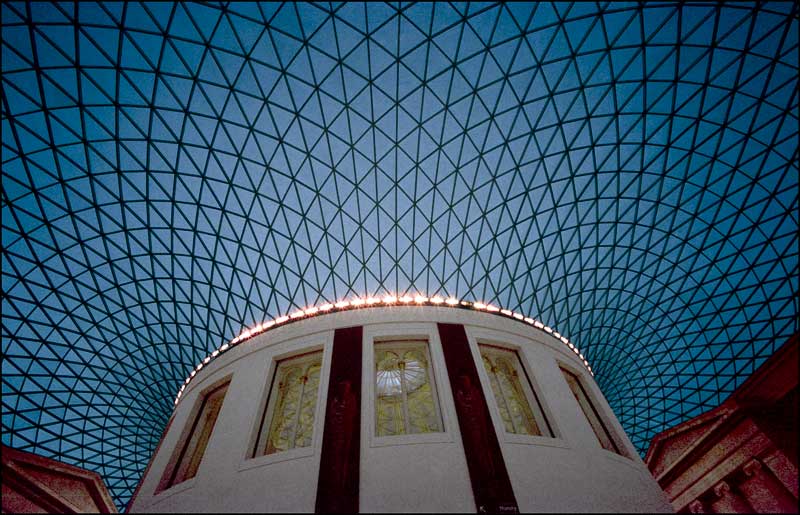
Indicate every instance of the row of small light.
{"type": "Point", "coordinates": [417, 300]}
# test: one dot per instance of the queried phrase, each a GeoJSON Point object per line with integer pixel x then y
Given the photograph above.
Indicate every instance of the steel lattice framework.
{"type": "Point", "coordinates": [173, 173]}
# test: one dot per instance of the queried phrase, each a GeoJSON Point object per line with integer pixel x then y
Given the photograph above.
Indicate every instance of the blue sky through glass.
{"type": "Point", "coordinates": [173, 173]}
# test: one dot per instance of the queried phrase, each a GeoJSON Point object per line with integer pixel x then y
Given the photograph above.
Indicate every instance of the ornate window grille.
{"type": "Point", "coordinates": [291, 406]}
{"type": "Point", "coordinates": [406, 399]}
{"type": "Point", "coordinates": [519, 405]}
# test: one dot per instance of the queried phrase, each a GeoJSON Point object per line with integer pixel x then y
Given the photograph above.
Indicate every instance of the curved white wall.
{"type": "Point", "coordinates": [568, 473]}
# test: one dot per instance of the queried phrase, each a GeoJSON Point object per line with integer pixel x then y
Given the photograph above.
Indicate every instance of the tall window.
{"type": "Point", "coordinates": [405, 392]}
{"type": "Point", "coordinates": [288, 420]}
{"type": "Point", "coordinates": [194, 446]}
{"type": "Point", "coordinates": [591, 413]}
{"type": "Point", "coordinates": [519, 406]}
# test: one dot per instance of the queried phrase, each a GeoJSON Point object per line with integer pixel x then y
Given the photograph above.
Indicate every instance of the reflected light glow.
{"type": "Point", "coordinates": [362, 303]}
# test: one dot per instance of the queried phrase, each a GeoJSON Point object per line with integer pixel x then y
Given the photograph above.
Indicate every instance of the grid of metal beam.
{"type": "Point", "coordinates": [172, 173]}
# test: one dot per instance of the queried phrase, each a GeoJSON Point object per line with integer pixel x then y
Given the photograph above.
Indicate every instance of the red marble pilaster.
{"type": "Point", "coordinates": [338, 484]}
{"type": "Point", "coordinates": [491, 485]}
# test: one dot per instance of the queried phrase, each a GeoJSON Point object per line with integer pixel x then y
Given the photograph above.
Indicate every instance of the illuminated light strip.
{"type": "Point", "coordinates": [388, 300]}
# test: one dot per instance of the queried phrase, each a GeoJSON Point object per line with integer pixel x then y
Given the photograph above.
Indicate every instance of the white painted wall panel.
{"type": "Point", "coordinates": [418, 473]}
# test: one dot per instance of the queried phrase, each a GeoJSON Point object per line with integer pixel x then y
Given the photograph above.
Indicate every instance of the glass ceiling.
{"type": "Point", "coordinates": [172, 174]}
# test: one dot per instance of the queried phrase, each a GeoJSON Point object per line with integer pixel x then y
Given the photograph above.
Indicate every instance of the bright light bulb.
{"type": "Point", "coordinates": [389, 299]}
{"type": "Point", "coordinates": [419, 299]}
{"type": "Point", "coordinates": [491, 308]}
{"type": "Point", "coordinates": [326, 307]}
{"type": "Point", "coordinates": [506, 312]}
{"type": "Point", "coordinates": [479, 305]}
{"type": "Point", "coordinates": [297, 314]}
{"type": "Point", "coordinates": [452, 301]}
{"type": "Point", "coordinates": [436, 300]}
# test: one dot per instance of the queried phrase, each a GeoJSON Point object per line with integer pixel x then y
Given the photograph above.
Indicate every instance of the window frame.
{"type": "Point", "coordinates": [292, 349]}
{"type": "Point", "coordinates": [404, 331]}
{"type": "Point", "coordinates": [392, 344]}
{"type": "Point", "coordinates": [479, 335]}
{"type": "Point", "coordinates": [168, 484]}
{"type": "Point", "coordinates": [268, 413]}
{"type": "Point", "coordinates": [620, 447]}
{"type": "Point", "coordinates": [533, 397]}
